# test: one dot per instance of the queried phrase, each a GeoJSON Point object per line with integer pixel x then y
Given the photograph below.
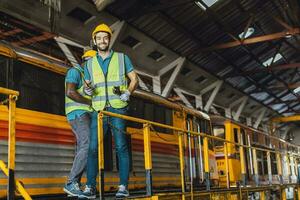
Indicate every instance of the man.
{"type": "Point", "coordinates": [107, 73]}
{"type": "Point", "coordinates": [77, 106]}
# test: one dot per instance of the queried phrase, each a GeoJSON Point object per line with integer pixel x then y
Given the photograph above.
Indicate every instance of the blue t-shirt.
{"type": "Point", "coordinates": [104, 65]}
{"type": "Point", "coordinates": [74, 76]}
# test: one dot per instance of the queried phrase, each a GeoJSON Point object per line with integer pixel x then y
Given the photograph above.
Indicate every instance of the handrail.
{"type": "Point", "coordinates": [8, 91]}
{"type": "Point", "coordinates": [180, 133]}
{"type": "Point", "coordinates": [9, 171]}
{"type": "Point", "coordinates": [143, 121]}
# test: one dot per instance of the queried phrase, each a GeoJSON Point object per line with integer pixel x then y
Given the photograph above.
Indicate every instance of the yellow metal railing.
{"type": "Point", "coordinates": [181, 132]}
{"type": "Point", "coordinates": [9, 171]}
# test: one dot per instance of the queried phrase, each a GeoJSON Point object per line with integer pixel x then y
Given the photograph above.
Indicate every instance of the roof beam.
{"type": "Point", "coordinates": [286, 101]}
{"type": "Point", "coordinates": [262, 112]}
{"type": "Point", "coordinates": [35, 39]}
{"type": "Point", "coordinates": [168, 87]}
{"type": "Point", "coordinates": [253, 40]}
{"type": "Point", "coordinates": [215, 87]}
{"type": "Point", "coordinates": [270, 68]}
{"type": "Point", "coordinates": [9, 33]}
{"type": "Point", "coordinates": [286, 119]}
{"type": "Point", "coordinates": [179, 92]}
{"type": "Point", "coordinates": [117, 27]}
{"type": "Point", "coordinates": [282, 86]}
{"type": "Point", "coordinates": [67, 52]}
{"type": "Point", "coordinates": [243, 102]}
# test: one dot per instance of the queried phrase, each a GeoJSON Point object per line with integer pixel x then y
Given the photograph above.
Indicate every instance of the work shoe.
{"type": "Point", "coordinates": [88, 193]}
{"type": "Point", "coordinates": [72, 189]}
{"type": "Point", "coordinates": [122, 192]}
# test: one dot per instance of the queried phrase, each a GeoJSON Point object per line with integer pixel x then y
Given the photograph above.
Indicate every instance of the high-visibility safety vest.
{"type": "Point", "coordinates": [104, 84]}
{"type": "Point", "coordinates": [71, 105]}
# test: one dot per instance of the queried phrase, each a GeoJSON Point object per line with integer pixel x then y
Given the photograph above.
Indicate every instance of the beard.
{"type": "Point", "coordinates": [102, 47]}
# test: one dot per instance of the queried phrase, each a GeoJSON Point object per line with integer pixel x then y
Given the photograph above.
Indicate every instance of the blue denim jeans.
{"type": "Point", "coordinates": [118, 129]}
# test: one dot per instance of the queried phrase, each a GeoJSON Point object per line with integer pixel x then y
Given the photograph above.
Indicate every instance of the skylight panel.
{"type": "Point", "coordinates": [269, 61]}
{"type": "Point", "coordinates": [249, 32]}
{"type": "Point", "coordinates": [208, 3]}
{"type": "Point", "coordinates": [297, 90]}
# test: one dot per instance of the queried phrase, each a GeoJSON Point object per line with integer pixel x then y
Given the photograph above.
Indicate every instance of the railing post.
{"type": "Point", "coordinates": [206, 163]}
{"type": "Point", "coordinates": [283, 194]}
{"type": "Point", "coordinates": [148, 159]}
{"type": "Point", "coordinates": [279, 167]}
{"type": "Point", "coordinates": [242, 157]}
{"type": "Point", "coordinates": [181, 158]}
{"type": "Point", "coordinates": [262, 195]}
{"type": "Point", "coordinates": [255, 166]}
{"type": "Point", "coordinates": [226, 165]}
{"type": "Point", "coordinates": [11, 147]}
{"type": "Point", "coordinates": [100, 155]}
{"type": "Point", "coordinates": [200, 154]}
{"type": "Point", "coordinates": [190, 160]}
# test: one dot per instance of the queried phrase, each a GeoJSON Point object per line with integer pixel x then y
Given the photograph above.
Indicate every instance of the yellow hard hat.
{"type": "Point", "coordinates": [102, 28]}
{"type": "Point", "coordinates": [89, 53]}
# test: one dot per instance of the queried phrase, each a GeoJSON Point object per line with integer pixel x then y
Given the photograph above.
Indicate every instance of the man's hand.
{"type": "Point", "coordinates": [125, 96]}
{"type": "Point", "coordinates": [72, 93]}
{"type": "Point", "coordinates": [87, 88]}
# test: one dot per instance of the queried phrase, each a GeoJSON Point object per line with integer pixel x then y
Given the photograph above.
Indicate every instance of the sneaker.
{"type": "Point", "coordinates": [88, 193]}
{"type": "Point", "coordinates": [122, 192]}
{"type": "Point", "coordinates": [72, 189]}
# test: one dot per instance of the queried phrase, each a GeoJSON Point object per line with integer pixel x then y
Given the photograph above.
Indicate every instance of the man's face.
{"type": "Point", "coordinates": [102, 41]}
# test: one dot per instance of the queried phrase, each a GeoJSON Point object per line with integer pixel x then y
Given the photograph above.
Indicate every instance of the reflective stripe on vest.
{"type": "Point", "coordinates": [115, 77]}
{"type": "Point", "coordinates": [71, 105]}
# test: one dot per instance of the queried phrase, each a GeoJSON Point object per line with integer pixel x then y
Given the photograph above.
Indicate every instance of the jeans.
{"type": "Point", "coordinates": [81, 129]}
{"type": "Point", "coordinates": [118, 129]}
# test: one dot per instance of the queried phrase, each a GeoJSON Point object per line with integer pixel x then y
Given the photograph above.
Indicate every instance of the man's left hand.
{"type": "Point", "coordinates": [125, 96]}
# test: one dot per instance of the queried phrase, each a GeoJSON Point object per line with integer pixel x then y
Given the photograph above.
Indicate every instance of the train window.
{"type": "Point", "coordinates": [244, 136]}
{"type": "Point", "coordinates": [219, 131]}
{"type": "Point", "coordinates": [4, 64]}
{"type": "Point", "coordinates": [265, 162]}
{"type": "Point", "coordinates": [260, 162]}
{"type": "Point", "coordinates": [38, 87]}
{"type": "Point", "coordinates": [273, 163]}
{"type": "Point", "coordinates": [4, 69]}
{"type": "Point", "coordinates": [280, 145]}
{"type": "Point", "coordinates": [236, 136]}
{"type": "Point", "coordinates": [136, 109]}
{"type": "Point", "coordinates": [254, 137]}
{"type": "Point", "coordinates": [147, 110]}
{"type": "Point", "coordinates": [267, 140]}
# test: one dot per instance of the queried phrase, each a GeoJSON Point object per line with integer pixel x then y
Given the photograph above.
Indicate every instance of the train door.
{"type": "Point", "coordinates": [219, 131]}
{"type": "Point", "coordinates": [204, 126]}
{"type": "Point", "coordinates": [234, 165]}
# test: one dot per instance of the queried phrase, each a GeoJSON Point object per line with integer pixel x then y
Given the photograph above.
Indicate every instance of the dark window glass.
{"type": "Point", "coordinates": [255, 137]}
{"type": "Point", "coordinates": [219, 131]}
{"type": "Point", "coordinates": [40, 89]}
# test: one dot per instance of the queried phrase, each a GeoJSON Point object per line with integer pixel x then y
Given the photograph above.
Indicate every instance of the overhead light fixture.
{"type": "Point", "coordinates": [206, 3]}
{"type": "Point", "coordinates": [296, 90]}
{"type": "Point", "coordinates": [269, 61]}
{"type": "Point", "coordinates": [249, 32]}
